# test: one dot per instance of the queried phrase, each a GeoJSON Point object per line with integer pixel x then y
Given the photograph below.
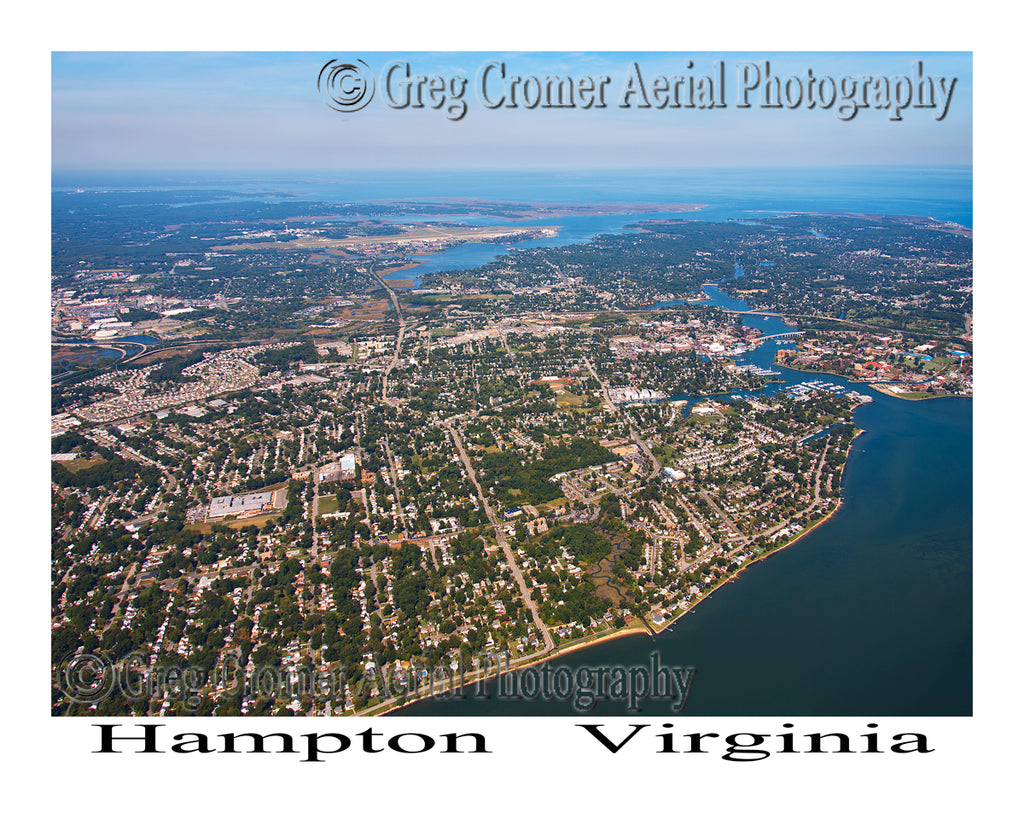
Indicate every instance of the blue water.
{"type": "Point", "coordinates": [140, 339]}
{"type": "Point", "coordinates": [870, 614]}
{"type": "Point", "coordinates": [732, 193]}
{"type": "Point", "coordinates": [65, 364]}
{"type": "Point", "coordinates": [943, 194]}
{"type": "Point", "coordinates": [940, 192]}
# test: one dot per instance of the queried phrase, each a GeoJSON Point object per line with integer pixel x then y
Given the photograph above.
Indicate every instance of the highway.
{"type": "Point", "coordinates": [401, 329]}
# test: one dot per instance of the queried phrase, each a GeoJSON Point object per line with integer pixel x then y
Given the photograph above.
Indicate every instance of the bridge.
{"type": "Point", "coordinates": [753, 312]}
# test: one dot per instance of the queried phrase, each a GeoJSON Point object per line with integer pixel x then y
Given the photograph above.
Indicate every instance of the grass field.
{"type": "Point", "coordinates": [327, 504]}
{"type": "Point", "coordinates": [567, 398]}
{"type": "Point", "coordinates": [78, 464]}
{"type": "Point", "coordinates": [548, 506]}
{"type": "Point", "coordinates": [938, 364]}
{"type": "Point", "coordinates": [257, 521]}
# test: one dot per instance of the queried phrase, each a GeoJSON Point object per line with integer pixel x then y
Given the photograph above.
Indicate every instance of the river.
{"type": "Point", "coordinates": [869, 614]}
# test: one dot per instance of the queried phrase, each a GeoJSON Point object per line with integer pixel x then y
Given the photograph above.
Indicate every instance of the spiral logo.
{"type": "Point", "coordinates": [85, 678]}
{"type": "Point", "coordinates": [346, 87]}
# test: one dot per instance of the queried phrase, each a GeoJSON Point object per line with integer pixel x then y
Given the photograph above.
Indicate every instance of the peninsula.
{"type": "Point", "coordinates": [274, 467]}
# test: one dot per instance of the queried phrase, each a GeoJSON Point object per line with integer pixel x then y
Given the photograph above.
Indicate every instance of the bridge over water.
{"type": "Point", "coordinates": [781, 335]}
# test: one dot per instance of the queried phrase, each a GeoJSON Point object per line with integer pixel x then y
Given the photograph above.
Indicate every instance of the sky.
{"type": "Point", "coordinates": [249, 110]}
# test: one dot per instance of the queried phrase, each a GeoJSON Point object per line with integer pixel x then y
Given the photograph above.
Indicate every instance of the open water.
{"type": "Point", "coordinates": [868, 615]}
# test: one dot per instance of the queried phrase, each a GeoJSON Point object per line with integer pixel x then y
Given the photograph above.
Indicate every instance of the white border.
{"type": "Point", "coordinates": [539, 771]}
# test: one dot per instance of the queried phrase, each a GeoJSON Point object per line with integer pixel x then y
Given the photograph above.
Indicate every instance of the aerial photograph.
{"type": "Point", "coordinates": [511, 384]}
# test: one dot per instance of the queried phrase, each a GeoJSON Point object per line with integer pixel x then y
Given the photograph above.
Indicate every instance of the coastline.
{"type": "Point", "coordinates": [876, 386]}
{"type": "Point", "coordinates": [913, 396]}
{"type": "Point", "coordinates": [638, 629]}
{"type": "Point", "coordinates": [470, 678]}
{"type": "Point", "coordinates": [425, 256]}
{"type": "Point", "coordinates": [729, 578]}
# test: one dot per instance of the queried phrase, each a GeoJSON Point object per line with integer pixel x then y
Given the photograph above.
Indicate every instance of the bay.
{"type": "Point", "coordinates": [869, 614]}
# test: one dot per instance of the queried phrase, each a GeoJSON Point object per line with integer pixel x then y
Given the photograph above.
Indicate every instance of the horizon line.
{"type": "Point", "coordinates": [507, 169]}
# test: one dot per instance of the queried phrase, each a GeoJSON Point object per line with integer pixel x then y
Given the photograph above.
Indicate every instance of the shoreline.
{"type": "Point", "coordinates": [637, 629]}
{"type": "Point", "coordinates": [426, 256]}
{"type": "Point", "coordinates": [729, 578]}
{"type": "Point", "coordinates": [876, 386]}
{"type": "Point", "coordinates": [513, 666]}
{"type": "Point", "coordinates": [913, 396]}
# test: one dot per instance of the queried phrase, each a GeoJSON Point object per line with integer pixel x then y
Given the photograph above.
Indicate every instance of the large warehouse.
{"type": "Point", "coordinates": [250, 504]}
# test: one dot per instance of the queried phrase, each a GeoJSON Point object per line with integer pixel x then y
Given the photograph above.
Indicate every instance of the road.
{"type": "Point", "coordinates": [633, 434]}
{"type": "Point", "coordinates": [115, 613]}
{"type": "Point", "coordinates": [817, 495]}
{"type": "Point", "coordinates": [728, 521]}
{"type": "Point", "coordinates": [503, 335]}
{"type": "Point", "coordinates": [499, 533]}
{"type": "Point", "coordinates": [169, 490]}
{"type": "Point", "coordinates": [394, 479]}
{"type": "Point", "coordinates": [401, 329]}
{"type": "Point", "coordinates": [314, 513]}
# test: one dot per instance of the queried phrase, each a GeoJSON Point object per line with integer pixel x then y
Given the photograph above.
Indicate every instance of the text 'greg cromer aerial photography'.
{"type": "Point", "coordinates": [605, 384]}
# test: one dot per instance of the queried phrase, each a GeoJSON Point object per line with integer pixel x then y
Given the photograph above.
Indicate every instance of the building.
{"type": "Point", "coordinates": [344, 470]}
{"type": "Point", "coordinates": [245, 505]}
